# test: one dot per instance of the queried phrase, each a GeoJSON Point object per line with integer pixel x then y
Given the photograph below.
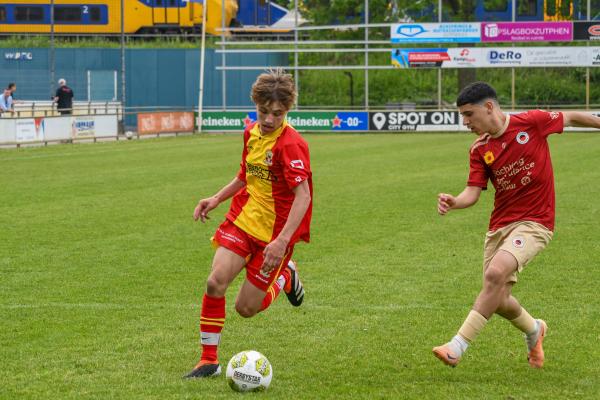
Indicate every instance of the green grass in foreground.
{"type": "Point", "coordinates": [102, 270]}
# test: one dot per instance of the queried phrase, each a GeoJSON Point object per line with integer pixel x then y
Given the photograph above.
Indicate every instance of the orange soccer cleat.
{"type": "Point", "coordinates": [446, 355]}
{"type": "Point", "coordinates": [536, 353]}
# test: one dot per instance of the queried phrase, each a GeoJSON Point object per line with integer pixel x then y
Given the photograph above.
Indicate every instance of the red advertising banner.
{"type": "Point", "coordinates": [165, 122]}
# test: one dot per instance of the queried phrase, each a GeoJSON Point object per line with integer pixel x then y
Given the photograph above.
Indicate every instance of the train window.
{"type": "Point", "coordinates": [2, 14]}
{"type": "Point", "coordinates": [67, 14]}
{"type": "Point", "coordinates": [172, 3]}
{"type": "Point", "coordinates": [527, 8]}
{"type": "Point", "coordinates": [29, 13]}
{"type": "Point", "coordinates": [95, 14]}
{"type": "Point", "coordinates": [495, 5]}
{"type": "Point", "coordinates": [565, 8]}
{"type": "Point", "coordinates": [159, 3]}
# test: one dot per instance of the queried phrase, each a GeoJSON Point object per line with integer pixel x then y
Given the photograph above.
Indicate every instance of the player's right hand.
{"type": "Point", "coordinates": [203, 207]}
{"type": "Point", "coordinates": [445, 203]}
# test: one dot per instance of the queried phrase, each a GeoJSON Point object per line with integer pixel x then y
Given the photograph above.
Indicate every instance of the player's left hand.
{"type": "Point", "coordinates": [273, 255]}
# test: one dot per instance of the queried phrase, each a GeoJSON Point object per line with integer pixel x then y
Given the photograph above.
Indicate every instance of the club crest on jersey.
{"type": "Point", "coordinates": [269, 158]}
{"type": "Point", "coordinates": [488, 157]}
{"type": "Point", "coordinates": [522, 137]}
{"type": "Point", "coordinates": [518, 242]}
{"type": "Point", "coordinates": [297, 164]}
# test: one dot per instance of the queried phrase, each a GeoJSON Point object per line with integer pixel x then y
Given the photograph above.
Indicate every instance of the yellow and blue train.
{"type": "Point", "coordinates": [141, 16]}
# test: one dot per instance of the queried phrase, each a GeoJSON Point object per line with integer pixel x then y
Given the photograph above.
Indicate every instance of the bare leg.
{"type": "Point", "coordinates": [494, 292]}
{"type": "Point", "coordinates": [226, 266]}
{"type": "Point", "coordinates": [509, 307]}
{"type": "Point", "coordinates": [249, 300]}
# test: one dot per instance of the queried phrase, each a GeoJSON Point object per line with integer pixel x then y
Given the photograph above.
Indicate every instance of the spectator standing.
{"type": "Point", "coordinates": [64, 98]}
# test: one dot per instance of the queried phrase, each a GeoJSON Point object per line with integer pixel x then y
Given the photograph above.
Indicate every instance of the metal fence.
{"type": "Point", "coordinates": [359, 69]}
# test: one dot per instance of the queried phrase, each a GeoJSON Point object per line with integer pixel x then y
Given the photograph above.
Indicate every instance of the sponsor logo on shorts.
{"type": "Point", "coordinates": [522, 137]}
{"type": "Point", "coordinates": [265, 274]}
{"type": "Point", "coordinates": [518, 242]}
{"type": "Point", "coordinates": [229, 236]}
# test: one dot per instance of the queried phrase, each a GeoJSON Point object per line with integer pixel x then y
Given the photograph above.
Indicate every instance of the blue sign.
{"type": "Point", "coordinates": [19, 56]}
{"type": "Point", "coordinates": [352, 121]}
{"type": "Point", "coordinates": [466, 32]}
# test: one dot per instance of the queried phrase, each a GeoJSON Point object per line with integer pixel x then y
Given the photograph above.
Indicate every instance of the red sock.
{"type": "Point", "coordinates": [212, 319]}
{"type": "Point", "coordinates": [275, 288]}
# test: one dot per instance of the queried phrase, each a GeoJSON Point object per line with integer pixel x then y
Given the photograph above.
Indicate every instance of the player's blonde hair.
{"type": "Point", "coordinates": [274, 85]}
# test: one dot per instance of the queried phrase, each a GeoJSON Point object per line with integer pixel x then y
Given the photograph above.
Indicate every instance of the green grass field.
{"type": "Point", "coordinates": [102, 270]}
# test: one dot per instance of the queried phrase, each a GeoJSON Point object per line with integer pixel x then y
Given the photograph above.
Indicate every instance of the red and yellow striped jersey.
{"type": "Point", "coordinates": [272, 166]}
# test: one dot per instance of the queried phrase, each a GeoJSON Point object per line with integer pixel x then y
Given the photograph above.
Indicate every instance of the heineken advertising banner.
{"type": "Point", "coordinates": [342, 121]}
{"type": "Point", "coordinates": [222, 121]}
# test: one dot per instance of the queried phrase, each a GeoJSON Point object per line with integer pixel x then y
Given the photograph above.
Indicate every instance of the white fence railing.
{"type": "Point", "coordinates": [46, 108]}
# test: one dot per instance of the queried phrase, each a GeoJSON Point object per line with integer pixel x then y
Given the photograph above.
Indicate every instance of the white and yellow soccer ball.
{"type": "Point", "coordinates": [249, 371]}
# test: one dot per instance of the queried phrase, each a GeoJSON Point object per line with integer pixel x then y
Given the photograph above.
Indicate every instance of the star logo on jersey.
{"type": "Point", "coordinates": [297, 164]}
{"type": "Point", "coordinates": [522, 137]}
{"type": "Point", "coordinates": [337, 122]}
{"type": "Point", "coordinates": [553, 114]}
{"type": "Point", "coordinates": [269, 158]}
{"type": "Point", "coordinates": [488, 157]}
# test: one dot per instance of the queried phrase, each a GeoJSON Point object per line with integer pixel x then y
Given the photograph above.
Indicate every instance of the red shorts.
{"type": "Point", "coordinates": [233, 238]}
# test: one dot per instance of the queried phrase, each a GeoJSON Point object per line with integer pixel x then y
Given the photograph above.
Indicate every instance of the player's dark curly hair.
{"type": "Point", "coordinates": [274, 85]}
{"type": "Point", "coordinates": [476, 93]}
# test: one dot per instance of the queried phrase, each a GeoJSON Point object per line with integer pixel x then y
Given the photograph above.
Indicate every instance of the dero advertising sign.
{"type": "Point", "coordinates": [526, 31]}
{"type": "Point", "coordinates": [414, 121]}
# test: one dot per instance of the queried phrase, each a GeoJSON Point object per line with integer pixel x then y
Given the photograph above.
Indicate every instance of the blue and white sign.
{"type": "Point", "coordinates": [18, 56]}
{"type": "Point", "coordinates": [497, 57]}
{"type": "Point", "coordinates": [351, 121]}
{"type": "Point", "coordinates": [436, 33]}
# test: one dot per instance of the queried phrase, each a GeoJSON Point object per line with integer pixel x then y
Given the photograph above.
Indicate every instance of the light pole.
{"type": "Point", "coordinates": [52, 62]}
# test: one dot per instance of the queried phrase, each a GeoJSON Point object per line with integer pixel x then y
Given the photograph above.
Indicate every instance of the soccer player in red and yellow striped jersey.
{"type": "Point", "coordinates": [270, 211]}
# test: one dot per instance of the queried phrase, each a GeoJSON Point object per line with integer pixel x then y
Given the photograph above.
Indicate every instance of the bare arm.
{"type": "Point", "coordinates": [466, 198]}
{"type": "Point", "coordinates": [580, 120]}
{"type": "Point", "coordinates": [205, 205]}
{"type": "Point", "coordinates": [275, 251]}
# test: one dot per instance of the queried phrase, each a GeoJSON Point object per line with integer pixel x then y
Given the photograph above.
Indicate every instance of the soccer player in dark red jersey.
{"type": "Point", "coordinates": [512, 152]}
{"type": "Point", "coordinates": [270, 211]}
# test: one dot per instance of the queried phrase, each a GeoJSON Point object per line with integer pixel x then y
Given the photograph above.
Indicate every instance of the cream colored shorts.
{"type": "Point", "coordinates": [523, 239]}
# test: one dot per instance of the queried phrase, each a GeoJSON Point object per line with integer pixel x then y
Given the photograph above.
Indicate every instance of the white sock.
{"type": "Point", "coordinates": [531, 338]}
{"type": "Point", "coordinates": [458, 345]}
